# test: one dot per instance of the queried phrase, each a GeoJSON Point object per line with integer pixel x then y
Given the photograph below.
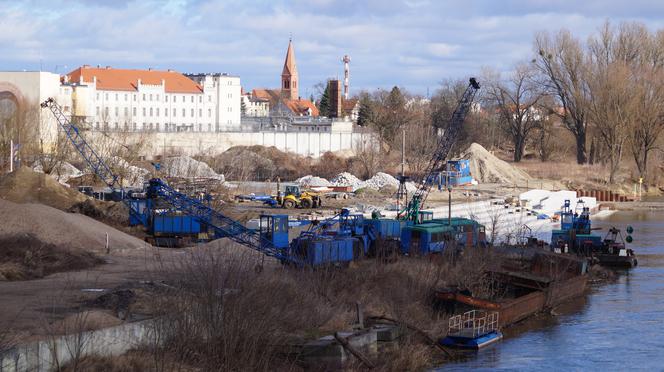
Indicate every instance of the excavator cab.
{"type": "Point", "coordinates": [274, 228]}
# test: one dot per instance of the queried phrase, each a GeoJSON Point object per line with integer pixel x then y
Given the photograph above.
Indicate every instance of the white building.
{"type": "Point", "coordinates": [150, 100]}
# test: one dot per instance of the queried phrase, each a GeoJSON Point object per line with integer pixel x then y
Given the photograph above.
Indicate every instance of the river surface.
{"type": "Point", "coordinates": [618, 326]}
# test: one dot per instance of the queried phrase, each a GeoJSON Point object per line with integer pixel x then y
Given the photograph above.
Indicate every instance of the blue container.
{"type": "Point", "coordinates": [387, 228]}
{"type": "Point", "coordinates": [329, 251]}
{"type": "Point", "coordinates": [175, 225]}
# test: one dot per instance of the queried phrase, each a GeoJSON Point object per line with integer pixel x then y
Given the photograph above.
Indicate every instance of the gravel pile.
{"type": "Point", "coordinates": [313, 181]}
{"type": "Point", "coordinates": [26, 186]}
{"type": "Point", "coordinates": [187, 167]}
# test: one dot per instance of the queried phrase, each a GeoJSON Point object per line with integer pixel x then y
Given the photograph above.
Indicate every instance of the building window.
{"type": "Point", "coordinates": [209, 113]}
{"type": "Point", "coordinates": [157, 101]}
{"type": "Point", "coordinates": [166, 98]}
{"type": "Point", "coordinates": [192, 113]}
{"type": "Point", "coordinates": [192, 99]}
{"type": "Point", "coordinates": [157, 127]}
{"type": "Point", "coordinates": [174, 113]}
{"type": "Point", "coordinates": [200, 127]}
{"type": "Point", "coordinates": [230, 95]}
{"type": "Point", "coordinates": [117, 97]}
{"type": "Point", "coordinates": [97, 111]}
{"type": "Point", "coordinates": [106, 96]}
{"type": "Point", "coordinates": [209, 127]}
{"type": "Point", "coordinates": [157, 111]}
{"type": "Point", "coordinates": [150, 111]}
{"type": "Point", "coordinates": [184, 113]}
{"type": "Point", "coordinates": [133, 124]}
{"type": "Point", "coordinates": [126, 99]}
{"type": "Point", "coordinates": [134, 101]}
{"type": "Point", "coordinates": [200, 99]}
{"type": "Point", "coordinates": [150, 97]}
{"type": "Point", "coordinates": [200, 113]}
{"type": "Point", "coordinates": [143, 97]}
{"type": "Point", "coordinates": [209, 98]}
{"type": "Point", "coordinates": [117, 111]}
{"type": "Point", "coordinates": [97, 96]}
{"type": "Point", "coordinates": [106, 111]}
{"type": "Point", "coordinates": [165, 112]}
{"type": "Point", "coordinates": [144, 111]}
{"type": "Point", "coordinates": [116, 125]}
{"type": "Point", "coordinates": [126, 111]}
{"type": "Point", "coordinates": [175, 99]}
{"type": "Point", "coordinates": [134, 111]}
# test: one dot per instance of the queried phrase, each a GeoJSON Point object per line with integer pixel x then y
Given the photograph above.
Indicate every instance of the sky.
{"type": "Point", "coordinates": [414, 44]}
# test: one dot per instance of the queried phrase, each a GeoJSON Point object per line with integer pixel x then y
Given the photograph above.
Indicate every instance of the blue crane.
{"type": "Point", "coordinates": [271, 239]}
{"type": "Point", "coordinates": [437, 162]}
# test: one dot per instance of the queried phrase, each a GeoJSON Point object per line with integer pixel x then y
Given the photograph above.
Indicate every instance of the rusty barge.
{"type": "Point", "coordinates": [524, 287]}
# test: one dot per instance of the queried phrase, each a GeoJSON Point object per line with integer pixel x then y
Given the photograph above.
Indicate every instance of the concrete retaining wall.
{"type": "Point", "coordinates": [47, 355]}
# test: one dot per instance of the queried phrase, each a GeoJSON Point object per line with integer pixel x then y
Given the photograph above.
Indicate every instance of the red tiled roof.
{"type": "Point", "coordinates": [127, 80]}
{"type": "Point", "coordinates": [301, 106]}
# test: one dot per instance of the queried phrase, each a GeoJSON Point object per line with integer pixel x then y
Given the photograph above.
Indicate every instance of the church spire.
{"type": "Point", "coordinates": [289, 77]}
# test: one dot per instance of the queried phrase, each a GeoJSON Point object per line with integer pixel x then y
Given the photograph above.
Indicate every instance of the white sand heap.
{"type": "Point", "coordinates": [549, 202]}
{"type": "Point", "coordinates": [187, 167]}
{"type": "Point", "coordinates": [62, 172]}
{"type": "Point", "coordinates": [313, 181]}
{"type": "Point", "coordinates": [486, 168]}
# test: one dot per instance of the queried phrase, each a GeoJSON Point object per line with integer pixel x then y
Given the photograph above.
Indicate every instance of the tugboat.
{"type": "Point", "coordinates": [473, 329]}
{"type": "Point", "coordinates": [575, 236]}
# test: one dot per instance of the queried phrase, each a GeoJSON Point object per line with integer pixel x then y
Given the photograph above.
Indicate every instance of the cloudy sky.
{"type": "Point", "coordinates": [412, 43]}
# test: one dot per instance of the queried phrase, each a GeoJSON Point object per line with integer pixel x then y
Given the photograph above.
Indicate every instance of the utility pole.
{"type": "Point", "coordinates": [449, 196]}
{"type": "Point", "coordinates": [402, 192]}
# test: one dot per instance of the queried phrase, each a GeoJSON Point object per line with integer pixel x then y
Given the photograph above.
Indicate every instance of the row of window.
{"type": "Point", "coordinates": [148, 97]}
{"type": "Point", "coordinates": [167, 127]}
{"type": "Point", "coordinates": [155, 112]}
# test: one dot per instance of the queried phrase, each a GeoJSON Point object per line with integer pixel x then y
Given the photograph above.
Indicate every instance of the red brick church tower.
{"type": "Point", "coordinates": [289, 75]}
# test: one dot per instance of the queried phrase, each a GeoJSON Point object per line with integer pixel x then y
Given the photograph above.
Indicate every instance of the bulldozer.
{"type": "Point", "coordinates": [294, 197]}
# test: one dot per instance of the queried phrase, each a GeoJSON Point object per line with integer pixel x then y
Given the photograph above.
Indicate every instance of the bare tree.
{"type": "Point", "coordinates": [561, 62]}
{"type": "Point", "coordinates": [517, 101]}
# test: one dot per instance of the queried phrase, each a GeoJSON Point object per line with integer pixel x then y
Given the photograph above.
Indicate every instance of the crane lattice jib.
{"type": "Point", "coordinates": [445, 144]}
{"type": "Point", "coordinates": [223, 225]}
{"type": "Point", "coordinates": [87, 152]}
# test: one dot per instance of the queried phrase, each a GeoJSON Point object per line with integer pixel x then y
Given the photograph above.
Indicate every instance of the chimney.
{"type": "Point", "coordinates": [335, 98]}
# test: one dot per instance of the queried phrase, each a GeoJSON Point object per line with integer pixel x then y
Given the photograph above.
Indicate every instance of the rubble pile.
{"type": "Point", "coordinates": [347, 179]}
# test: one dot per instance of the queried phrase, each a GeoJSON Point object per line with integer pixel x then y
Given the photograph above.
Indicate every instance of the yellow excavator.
{"type": "Point", "coordinates": [294, 197]}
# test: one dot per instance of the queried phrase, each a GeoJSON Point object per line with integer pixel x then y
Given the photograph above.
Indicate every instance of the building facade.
{"type": "Point", "coordinates": [111, 99]}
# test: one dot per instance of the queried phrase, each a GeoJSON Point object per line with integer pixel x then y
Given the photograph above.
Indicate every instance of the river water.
{"type": "Point", "coordinates": [617, 326]}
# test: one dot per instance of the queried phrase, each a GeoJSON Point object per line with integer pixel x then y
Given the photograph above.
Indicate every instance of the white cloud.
{"type": "Point", "coordinates": [441, 49]}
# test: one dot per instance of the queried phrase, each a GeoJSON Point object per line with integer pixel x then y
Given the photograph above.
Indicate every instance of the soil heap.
{"type": "Point", "coordinates": [486, 168]}
{"type": "Point", "coordinates": [27, 186]}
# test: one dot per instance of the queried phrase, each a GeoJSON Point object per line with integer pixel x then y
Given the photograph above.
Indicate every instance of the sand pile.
{"type": "Point", "coordinates": [26, 186]}
{"type": "Point", "coordinates": [486, 168]}
{"type": "Point", "coordinates": [70, 230]}
{"type": "Point", "coordinates": [61, 172]}
{"type": "Point", "coordinates": [187, 167]}
{"type": "Point", "coordinates": [313, 181]}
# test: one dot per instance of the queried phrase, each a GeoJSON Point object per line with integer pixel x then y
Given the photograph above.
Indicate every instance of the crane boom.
{"type": "Point", "coordinates": [96, 163]}
{"type": "Point", "coordinates": [445, 143]}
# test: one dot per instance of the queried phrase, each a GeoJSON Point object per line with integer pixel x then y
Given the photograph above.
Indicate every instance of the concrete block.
{"type": "Point", "coordinates": [387, 333]}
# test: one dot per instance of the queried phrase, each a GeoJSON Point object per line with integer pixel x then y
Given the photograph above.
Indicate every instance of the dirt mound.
{"type": "Point", "coordinates": [26, 186]}
{"type": "Point", "coordinates": [260, 163]}
{"type": "Point", "coordinates": [24, 256]}
{"type": "Point", "coordinates": [486, 168]}
{"type": "Point", "coordinates": [67, 230]}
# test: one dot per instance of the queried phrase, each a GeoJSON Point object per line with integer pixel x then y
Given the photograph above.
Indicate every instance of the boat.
{"type": "Point", "coordinates": [575, 236]}
{"type": "Point", "coordinates": [473, 329]}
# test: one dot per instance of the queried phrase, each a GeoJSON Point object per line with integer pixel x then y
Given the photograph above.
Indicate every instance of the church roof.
{"type": "Point", "coordinates": [274, 96]}
{"type": "Point", "coordinates": [127, 80]}
{"type": "Point", "coordinates": [290, 68]}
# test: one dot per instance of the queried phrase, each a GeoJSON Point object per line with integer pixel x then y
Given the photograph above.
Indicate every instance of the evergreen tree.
{"type": "Point", "coordinates": [324, 104]}
{"type": "Point", "coordinates": [364, 114]}
{"type": "Point", "coordinates": [243, 108]}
